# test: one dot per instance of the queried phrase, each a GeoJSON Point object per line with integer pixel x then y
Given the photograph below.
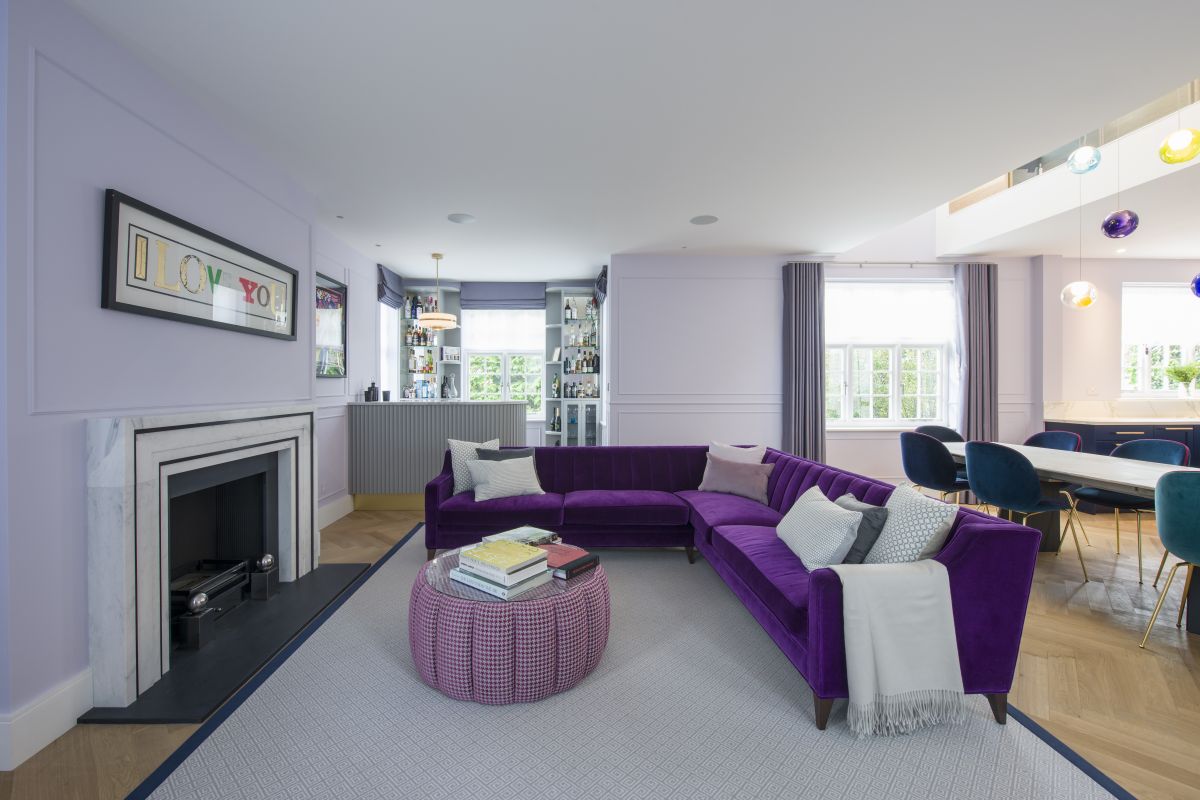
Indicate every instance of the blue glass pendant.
{"type": "Point", "coordinates": [1196, 286]}
{"type": "Point", "coordinates": [1083, 159]}
{"type": "Point", "coordinates": [1120, 224]}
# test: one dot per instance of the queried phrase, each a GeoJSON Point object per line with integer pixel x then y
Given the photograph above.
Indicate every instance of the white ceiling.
{"type": "Point", "coordinates": [574, 130]}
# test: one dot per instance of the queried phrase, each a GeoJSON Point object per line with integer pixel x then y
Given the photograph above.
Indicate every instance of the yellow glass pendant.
{"type": "Point", "coordinates": [1182, 145]}
{"type": "Point", "coordinates": [1078, 295]}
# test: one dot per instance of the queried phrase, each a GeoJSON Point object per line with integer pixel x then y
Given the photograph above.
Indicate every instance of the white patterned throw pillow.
{"type": "Point", "coordinates": [818, 530]}
{"type": "Point", "coordinates": [916, 528]}
{"type": "Point", "coordinates": [460, 454]}
{"type": "Point", "coordinates": [512, 478]}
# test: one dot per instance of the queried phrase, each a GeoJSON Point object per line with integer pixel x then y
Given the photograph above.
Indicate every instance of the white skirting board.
{"type": "Point", "coordinates": [28, 729]}
{"type": "Point", "coordinates": [332, 510]}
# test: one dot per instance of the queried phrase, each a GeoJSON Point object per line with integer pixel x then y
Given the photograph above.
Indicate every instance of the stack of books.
{"type": "Point", "coordinates": [566, 560]}
{"type": "Point", "coordinates": [526, 534]}
{"type": "Point", "coordinates": [503, 568]}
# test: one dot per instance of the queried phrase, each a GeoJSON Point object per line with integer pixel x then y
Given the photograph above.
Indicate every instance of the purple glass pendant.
{"type": "Point", "coordinates": [1119, 224]}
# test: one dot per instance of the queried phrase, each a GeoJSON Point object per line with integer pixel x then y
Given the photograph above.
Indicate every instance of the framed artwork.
{"type": "Point", "coordinates": [162, 266]}
{"type": "Point", "coordinates": [331, 328]}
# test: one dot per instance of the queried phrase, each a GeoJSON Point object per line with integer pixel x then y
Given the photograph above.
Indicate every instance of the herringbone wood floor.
{"type": "Point", "coordinates": [1135, 714]}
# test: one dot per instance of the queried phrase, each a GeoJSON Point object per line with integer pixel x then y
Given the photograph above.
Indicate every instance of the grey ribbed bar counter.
{"type": "Point", "coordinates": [396, 447]}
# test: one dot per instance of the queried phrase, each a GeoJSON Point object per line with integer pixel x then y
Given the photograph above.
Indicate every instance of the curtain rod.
{"type": "Point", "coordinates": [909, 264]}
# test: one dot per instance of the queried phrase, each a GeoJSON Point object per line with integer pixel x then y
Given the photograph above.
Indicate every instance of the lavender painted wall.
{"type": "Point", "coordinates": [5, 597]}
{"type": "Point", "coordinates": [85, 115]}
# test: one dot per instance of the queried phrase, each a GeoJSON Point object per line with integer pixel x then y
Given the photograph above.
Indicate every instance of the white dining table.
{"type": "Point", "coordinates": [1087, 469]}
{"type": "Point", "coordinates": [1123, 475]}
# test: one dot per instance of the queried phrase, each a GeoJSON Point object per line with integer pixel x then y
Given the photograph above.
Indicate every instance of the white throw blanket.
{"type": "Point", "coordinates": [901, 653]}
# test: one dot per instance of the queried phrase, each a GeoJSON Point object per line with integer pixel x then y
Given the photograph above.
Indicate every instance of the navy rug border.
{"type": "Point", "coordinates": [1064, 750]}
{"type": "Point", "coordinates": [206, 729]}
{"type": "Point", "coordinates": [164, 770]}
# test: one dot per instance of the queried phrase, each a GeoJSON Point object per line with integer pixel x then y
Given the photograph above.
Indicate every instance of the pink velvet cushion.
{"type": "Point", "coordinates": [734, 477]}
{"type": "Point", "coordinates": [623, 507]}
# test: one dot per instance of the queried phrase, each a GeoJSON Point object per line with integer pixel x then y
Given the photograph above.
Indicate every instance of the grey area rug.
{"type": "Point", "coordinates": [691, 700]}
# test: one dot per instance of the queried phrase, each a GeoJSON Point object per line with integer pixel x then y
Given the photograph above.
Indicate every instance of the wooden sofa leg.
{"type": "Point", "coordinates": [999, 704]}
{"type": "Point", "coordinates": [430, 553]}
{"type": "Point", "coordinates": [822, 705]}
{"type": "Point", "coordinates": [691, 553]}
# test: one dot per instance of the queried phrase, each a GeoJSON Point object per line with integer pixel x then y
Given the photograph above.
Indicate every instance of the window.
{"type": "Point", "coordinates": [889, 346]}
{"type": "Point", "coordinates": [503, 354]}
{"type": "Point", "coordinates": [389, 349]}
{"type": "Point", "coordinates": [1158, 330]}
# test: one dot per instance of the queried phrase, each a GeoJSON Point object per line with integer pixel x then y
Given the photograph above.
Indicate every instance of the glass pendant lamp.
{"type": "Point", "coordinates": [1182, 145]}
{"type": "Point", "coordinates": [1124, 222]}
{"type": "Point", "coordinates": [1079, 294]}
{"type": "Point", "coordinates": [1083, 159]}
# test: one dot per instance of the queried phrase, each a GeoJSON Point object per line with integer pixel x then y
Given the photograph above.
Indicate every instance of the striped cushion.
{"type": "Point", "coordinates": [817, 530]}
{"type": "Point", "coordinates": [512, 478]}
{"type": "Point", "coordinates": [460, 454]}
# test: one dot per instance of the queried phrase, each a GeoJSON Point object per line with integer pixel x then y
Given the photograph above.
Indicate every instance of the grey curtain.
{"type": "Point", "coordinates": [975, 285]}
{"type": "Point", "coordinates": [804, 359]}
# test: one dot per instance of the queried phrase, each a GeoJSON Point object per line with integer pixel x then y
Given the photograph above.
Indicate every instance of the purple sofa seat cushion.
{"type": "Point", "coordinates": [769, 568]}
{"type": "Point", "coordinates": [623, 507]}
{"type": "Point", "coordinates": [530, 509]}
{"type": "Point", "coordinates": [710, 509]}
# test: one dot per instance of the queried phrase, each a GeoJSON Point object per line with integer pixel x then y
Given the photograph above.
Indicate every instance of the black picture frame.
{"type": "Point", "coordinates": [112, 269]}
{"type": "Point", "coordinates": [324, 282]}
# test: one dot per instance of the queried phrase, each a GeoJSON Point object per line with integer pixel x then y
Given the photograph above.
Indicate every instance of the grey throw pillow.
{"type": "Point", "coordinates": [503, 455]}
{"type": "Point", "coordinates": [733, 477]}
{"type": "Point", "coordinates": [731, 452]}
{"type": "Point", "coordinates": [511, 478]}
{"type": "Point", "coordinates": [873, 518]}
{"type": "Point", "coordinates": [460, 454]}
{"type": "Point", "coordinates": [916, 528]}
{"type": "Point", "coordinates": [817, 530]}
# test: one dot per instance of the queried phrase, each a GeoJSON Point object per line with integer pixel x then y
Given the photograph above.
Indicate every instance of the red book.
{"type": "Point", "coordinates": [559, 554]}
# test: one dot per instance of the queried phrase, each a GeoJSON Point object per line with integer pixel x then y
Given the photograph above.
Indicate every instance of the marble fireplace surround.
{"type": "Point", "coordinates": [129, 462]}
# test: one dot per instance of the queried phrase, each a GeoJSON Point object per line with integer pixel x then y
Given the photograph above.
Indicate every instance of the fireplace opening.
{"type": "Point", "coordinates": [223, 540]}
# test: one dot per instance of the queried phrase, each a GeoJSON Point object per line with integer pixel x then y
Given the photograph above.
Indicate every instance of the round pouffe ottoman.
{"type": "Point", "coordinates": [472, 646]}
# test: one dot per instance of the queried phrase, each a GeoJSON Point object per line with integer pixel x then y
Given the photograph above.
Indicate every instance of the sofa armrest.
{"type": "Point", "coordinates": [990, 566]}
{"type": "Point", "coordinates": [437, 491]}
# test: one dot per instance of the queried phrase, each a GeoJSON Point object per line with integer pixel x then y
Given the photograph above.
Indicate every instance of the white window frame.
{"type": "Point", "coordinates": [848, 422]}
{"type": "Point", "coordinates": [505, 357]}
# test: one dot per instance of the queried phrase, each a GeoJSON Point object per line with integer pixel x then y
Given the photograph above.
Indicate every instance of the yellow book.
{"type": "Point", "coordinates": [506, 556]}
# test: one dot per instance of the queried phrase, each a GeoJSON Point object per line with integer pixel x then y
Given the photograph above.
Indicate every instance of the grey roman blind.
{"type": "Point", "coordinates": [484, 294]}
{"type": "Point", "coordinates": [391, 287]}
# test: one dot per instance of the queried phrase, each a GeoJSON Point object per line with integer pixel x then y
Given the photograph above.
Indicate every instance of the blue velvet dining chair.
{"type": "Point", "coordinates": [928, 463]}
{"type": "Point", "coordinates": [1002, 477]}
{"type": "Point", "coordinates": [1056, 440]}
{"type": "Point", "coordinates": [1158, 451]}
{"type": "Point", "coordinates": [940, 432]}
{"type": "Point", "coordinates": [1176, 498]}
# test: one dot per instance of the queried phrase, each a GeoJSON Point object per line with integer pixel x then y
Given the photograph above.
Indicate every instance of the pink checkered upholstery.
{"type": "Point", "coordinates": [515, 652]}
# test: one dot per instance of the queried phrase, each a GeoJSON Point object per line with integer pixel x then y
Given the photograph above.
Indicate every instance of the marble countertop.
{"type": "Point", "coordinates": [1126, 420]}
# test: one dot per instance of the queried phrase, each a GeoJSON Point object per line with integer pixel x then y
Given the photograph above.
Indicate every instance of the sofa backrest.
{"type": "Point", "coordinates": [667, 468]}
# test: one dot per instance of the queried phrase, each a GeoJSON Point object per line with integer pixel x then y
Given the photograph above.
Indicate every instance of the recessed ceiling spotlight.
{"type": "Point", "coordinates": [339, 216]}
{"type": "Point", "coordinates": [703, 219]}
{"type": "Point", "coordinates": [461, 219]}
{"type": "Point", "coordinates": [1122, 249]}
{"type": "Point", "coordinates": [683, 247]}
{"type": "Point", "coordinates": [377, 244]}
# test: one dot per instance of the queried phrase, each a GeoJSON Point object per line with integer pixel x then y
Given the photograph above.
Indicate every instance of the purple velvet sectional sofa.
{"type": "Point", "coordinates": [648, 497]}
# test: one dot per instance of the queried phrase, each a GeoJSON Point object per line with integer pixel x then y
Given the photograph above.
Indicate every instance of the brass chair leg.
{"type": "Point", "coordinates": [1117, 519]}
{"type": "Point", "coordinates": [1138, 514]}
{"type": "Point", "coordinates": [1158, 606]}
{"type": "Point", "coordinates": [1078, 550]}
{"type": "Point", "coordinates": [1187, 586]}
{"type": "Point", "coordinates": [1161, 564]}
{"type": "Point", "coordinates": [1083, 530]}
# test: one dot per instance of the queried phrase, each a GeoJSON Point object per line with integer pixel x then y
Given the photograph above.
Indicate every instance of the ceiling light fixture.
{"type": "Point", "coordinates": [459, 218]}
{"type": "Point", "coordinates": [703, 219]}
{"type": "Point", "coordinates": [1079, 294]}
{"type": "Point", "coordinates": [339, 216]}
{"type": "Point", "coordinates": [1119, 224]}
{"type": "Point", "coordinates": [1083, 159]}
{"type": "Point", "coordinates": [436, 320]}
